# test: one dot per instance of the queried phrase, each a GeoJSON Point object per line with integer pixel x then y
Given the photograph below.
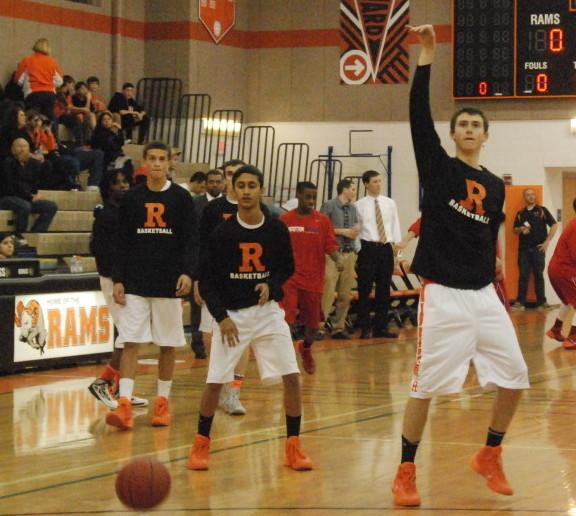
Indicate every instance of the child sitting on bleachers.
{"type": "Point", "coordinates": [6, 245]}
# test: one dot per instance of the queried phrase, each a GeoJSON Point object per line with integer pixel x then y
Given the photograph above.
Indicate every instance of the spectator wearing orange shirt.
{"type": "Point", "coordinates": [81, 100]}
{"type": "Point", "coordinates": [40, 75]}
{"type": "Point", "coordinates": [93, 84]}
{"type": "Point", "coordinates": [65, 111]}
{"type": "Point", "coordinates": [58, 172]}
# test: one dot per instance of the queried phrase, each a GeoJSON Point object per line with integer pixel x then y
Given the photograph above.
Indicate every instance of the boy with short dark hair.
{"type": "Point", "coordinates": [93, 84]}
{"type": "Point", "coordinates": [243, 269]}
{"type": "Point", "coordinates": [131, 113]}
{"type": "Point", "coordinates": [197, 184]}
{"type": "Point", "coordinates": [461, 319]}
{"type": "Point", "coordinates": [113, 187]}
{"type": "Point", "coordinates": [344, 217]}
{"type": "Point", "coordinates": [213, 215]}
{"type": "Point", "coordinates": [156, 254]}
{"type": "Point", "coordinates": [312, 236]}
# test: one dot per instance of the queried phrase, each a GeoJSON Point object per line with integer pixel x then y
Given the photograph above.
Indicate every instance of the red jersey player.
{"type": "Point", "coordinates": [562, 273]}
{"type": "Point", "coordinates": [312, 236]}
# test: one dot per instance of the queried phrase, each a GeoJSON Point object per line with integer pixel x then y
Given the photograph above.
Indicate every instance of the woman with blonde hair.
{"type": "Point", "coordinates": [39, 75]}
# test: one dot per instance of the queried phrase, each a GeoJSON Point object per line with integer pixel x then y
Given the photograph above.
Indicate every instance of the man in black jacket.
{"type": "Point", "coordinates": [19, 182]}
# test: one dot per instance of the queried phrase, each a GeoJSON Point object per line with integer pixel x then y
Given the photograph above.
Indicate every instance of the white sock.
{"type": "Point", "coordinates": [126, 387]}
{"type": "Point", "coordinates": [563, 312]}
{"type": "Point", "coordinates": [164, 387]}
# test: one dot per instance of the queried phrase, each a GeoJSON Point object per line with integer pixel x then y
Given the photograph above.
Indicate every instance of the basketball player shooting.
{"type": "Point", "coordinates": [461, 319]}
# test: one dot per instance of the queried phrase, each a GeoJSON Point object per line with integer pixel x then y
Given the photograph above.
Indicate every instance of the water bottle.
{"type": "Point", "coordinates": [76, 264]}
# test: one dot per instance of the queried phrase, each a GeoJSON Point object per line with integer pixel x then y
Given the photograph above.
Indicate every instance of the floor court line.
{"type": "Point", "coordinates": [427, 442]}
{"type": "Point", "coordinates": [396, 510]}
{"type": "Point", "coordinates": [246, 434]}
{"type": "Point", "coordinates": [275, 431]}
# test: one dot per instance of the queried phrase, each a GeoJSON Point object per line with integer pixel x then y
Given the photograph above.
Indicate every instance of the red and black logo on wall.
{"type": "Point", "coordinates": [374, 47]}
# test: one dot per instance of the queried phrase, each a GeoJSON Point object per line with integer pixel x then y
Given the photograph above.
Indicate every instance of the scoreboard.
{"type": "Point", "coordinates": [514, 49]}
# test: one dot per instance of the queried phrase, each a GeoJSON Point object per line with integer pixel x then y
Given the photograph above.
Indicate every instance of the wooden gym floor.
{"type": "Point", "coordinates": [58, 457]}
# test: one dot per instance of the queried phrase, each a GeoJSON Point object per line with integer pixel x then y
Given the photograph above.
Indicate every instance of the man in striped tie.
{"type": "Point", "coordinates": [380, 230]}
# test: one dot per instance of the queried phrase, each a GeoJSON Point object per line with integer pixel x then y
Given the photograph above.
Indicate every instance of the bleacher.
{"type": "Point", "coordinates": [283, 164]}
{"type": "Point", "coordinates": [69, 233]}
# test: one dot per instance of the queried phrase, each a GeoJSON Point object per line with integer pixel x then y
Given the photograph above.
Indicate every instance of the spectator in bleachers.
{"type": "Point", "coordinates": [91, 160]}
{"type": "Point", "coordinates": [83, 157]}
{"type": "Point", "coordinates": [6, 106]}
{"type": "Point", "coordinates": [40, 75]}
{"type": "Point", "coordinates": [19, 181]}
{"type": "Point", "coordinates": [13, 91]}
{"type": "Point", "coordinates": [93, 84]}
{"type": "Point", "coordinates": [108, 137]}
{"type": "Point", "coordinates": [14, 127]}
{"type": "Point", "coordinates": [197, 184]}
{"type": "Point", "coordinates": [58, 172]}
{"type": "Point", "coordinates": [6, 245]}
{"type": "Point", "coordinates": [84, 108]}
{"type": "Point", "coordinates": [66, 113]}
{"type": "Point", "coordinates": [131, 113]}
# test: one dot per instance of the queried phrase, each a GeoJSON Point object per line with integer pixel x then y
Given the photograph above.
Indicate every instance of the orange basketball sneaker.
{"type": "Point", "coordinates": [569, 342]}
{"type": "Point", "coordinates": [404, 488]}
{"type": "Point", "coordinates": [121, 417]}
{"type": "Point", "coordinates": [555, 334]}
{"type": "Point", "coordinates": [294, 456]}
{"type": "Point", "coordinates": [199, 453]}
{"type": "Point", "coordinates": [161, 415]}
{"type": "Point", "coordinates": [488, 463]}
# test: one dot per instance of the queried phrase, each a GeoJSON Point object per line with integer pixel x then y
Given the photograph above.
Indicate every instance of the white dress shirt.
{"type": "Point", "coordinates": [367, 214]}
{"type": "Point", "coordinates": [210, 198]}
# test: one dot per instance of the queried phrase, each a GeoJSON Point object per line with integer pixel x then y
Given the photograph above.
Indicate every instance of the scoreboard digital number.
{"type": "Point", "coordinates": [514, 49]}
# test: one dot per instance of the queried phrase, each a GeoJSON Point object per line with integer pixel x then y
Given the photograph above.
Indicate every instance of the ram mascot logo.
{"type": "Point", "coordinates": [30, 320]}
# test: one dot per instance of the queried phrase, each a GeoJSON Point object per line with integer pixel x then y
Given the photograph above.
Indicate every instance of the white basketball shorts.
{"type": "Point", "coordinates": [151, 319]}
{"type": "Point", "coordinates": [263, 328]}
{"type": "Point", "coordinates": [459, 326]}
{"type": "Point", "coordinates": [207, 322]}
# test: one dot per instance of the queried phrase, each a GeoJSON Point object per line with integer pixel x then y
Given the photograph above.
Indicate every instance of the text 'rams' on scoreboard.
{"type": "Point", "coordinates": [514, 48]}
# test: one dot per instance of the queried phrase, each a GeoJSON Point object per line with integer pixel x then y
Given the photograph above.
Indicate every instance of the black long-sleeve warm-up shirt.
{"type": "Point", "coordinates": [157, 241]}
{"type": "Point", "coordinates": [104, 237]}
{"type": "Point", "coordinates": [461, 207]}
{"type": "Point", "coordinates": [237, 258]}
